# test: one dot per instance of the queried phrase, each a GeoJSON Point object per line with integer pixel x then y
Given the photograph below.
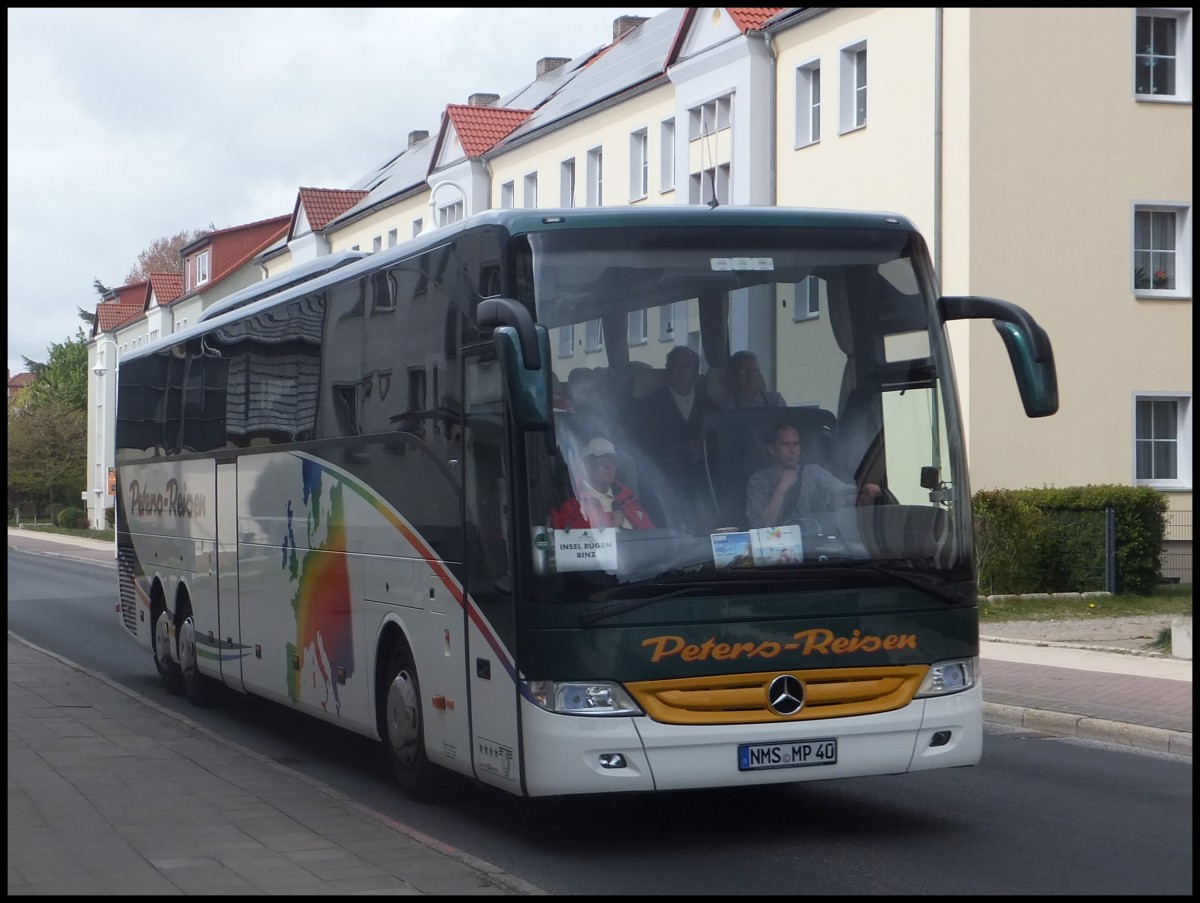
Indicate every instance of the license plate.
{"type": "Point", "coordinates": [794, 754]}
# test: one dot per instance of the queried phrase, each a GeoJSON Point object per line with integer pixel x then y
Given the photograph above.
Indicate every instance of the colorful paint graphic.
{"type": "Point", "coordinates": [321, 602]}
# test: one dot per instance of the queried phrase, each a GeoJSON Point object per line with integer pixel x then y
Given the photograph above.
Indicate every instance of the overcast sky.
{"type": "Point", "coordinates": [129, 125]}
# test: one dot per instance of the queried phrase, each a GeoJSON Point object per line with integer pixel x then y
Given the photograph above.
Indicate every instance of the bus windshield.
{"type": "Point", "coordinates": [740, 403]}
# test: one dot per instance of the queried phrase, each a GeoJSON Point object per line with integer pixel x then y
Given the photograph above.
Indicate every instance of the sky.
{"type": "Point", "coordinates": [129, 125]}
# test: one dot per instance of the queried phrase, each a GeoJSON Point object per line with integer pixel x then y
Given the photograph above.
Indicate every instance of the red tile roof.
{"type": "Point", "coordinates": [164, 288]}
{"type": "Point", "coordinates": [752, 18]}
{"type": "Point", "coordinates": [480, 129]}
{"type": "Point", "coordinates": [20, 381]}
{"type": "Point", "coordinates": [233, 247]}
{"type": "Point", "coordinates": [129, 304]}
{"type": "Point", "coordinates": [323, 205]}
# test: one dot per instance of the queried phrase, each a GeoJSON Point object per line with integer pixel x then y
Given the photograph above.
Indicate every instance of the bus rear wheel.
{"type": "Point", "coordinates": [404, 737]}
{"type": "Point", "coordinates": [197, 686]}
{"type": "Point", "coordinates": [168, 668]}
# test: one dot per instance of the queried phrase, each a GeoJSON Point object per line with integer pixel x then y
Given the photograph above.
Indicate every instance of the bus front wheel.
{"type": "Point", "coordinates": [405, 728]}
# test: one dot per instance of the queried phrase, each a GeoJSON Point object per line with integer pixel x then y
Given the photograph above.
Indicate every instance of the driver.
{"type": "Point", "coordinates": [787, 490]}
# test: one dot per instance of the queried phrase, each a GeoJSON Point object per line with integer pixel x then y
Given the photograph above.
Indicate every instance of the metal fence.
{"type": "Point", "coordinates": [1177, 548]}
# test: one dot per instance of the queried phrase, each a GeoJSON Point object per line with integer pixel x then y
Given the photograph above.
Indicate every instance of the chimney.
{"type": "Point", "coordinates": [482, 100]}
{"type": "Point", "coordinates": [417, 135]}
{"type": "Point", "coordinates": [550, 63]}
{"type": "Point", "coordinates": [626, 24]}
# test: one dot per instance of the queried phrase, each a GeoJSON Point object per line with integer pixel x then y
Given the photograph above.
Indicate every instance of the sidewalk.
{"type": "Point", "coordinates": [91, 767]}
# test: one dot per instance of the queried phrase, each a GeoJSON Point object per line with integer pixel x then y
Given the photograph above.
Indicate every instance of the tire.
{"type": "Point", "coordinates": [404, 728]}
{"type": "Point", "coordinates": [198, 687]}
{"type": "Point", "coordinates": [160, 644]}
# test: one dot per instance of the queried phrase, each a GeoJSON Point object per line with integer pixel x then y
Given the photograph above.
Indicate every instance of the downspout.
{"type": "Point", "coordinates": [937, 145]}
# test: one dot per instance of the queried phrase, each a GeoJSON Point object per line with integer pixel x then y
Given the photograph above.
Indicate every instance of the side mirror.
{"type": "Point", "coordinates": [1028, 347]}
{"type": "Point", "coordinates": [528, 389]}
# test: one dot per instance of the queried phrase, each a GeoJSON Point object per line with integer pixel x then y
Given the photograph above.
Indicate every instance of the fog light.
{"type": "Point", "coordinates": [612, 760]}
{"type": "Point", "coordinates": [941, 738]}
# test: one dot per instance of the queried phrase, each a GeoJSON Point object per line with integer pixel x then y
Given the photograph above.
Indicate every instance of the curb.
{"type": "Point", "coordinates": [1136, 735]}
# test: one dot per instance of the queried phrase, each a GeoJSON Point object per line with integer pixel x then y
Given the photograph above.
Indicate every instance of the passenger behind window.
{"type": "Point", "coordinates": [787, 491]}
{"type": "Point", "coordinates": [601, 501]}
{"type": "Point", "coordinates": [745, 386]}
{"type": "Point", "coordinates": [671, 420]}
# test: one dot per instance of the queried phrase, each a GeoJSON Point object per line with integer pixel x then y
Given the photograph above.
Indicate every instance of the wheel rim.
{"type": "Point", "coordinates": [403, 718]}
{"type": "Point", "coordinates": [187, 648]}
{"type": "Point", "coordinates": [162, 639]}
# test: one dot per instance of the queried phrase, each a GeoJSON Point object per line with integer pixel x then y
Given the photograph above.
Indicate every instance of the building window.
{"type": "Point", "coordinates": [639, 165]}
{"type": "Point", "coordinates": [807, 305]}
{"type": "Point", "coordinates": [1162, 441]}
{"type": "Point", "coordinates": [451, 213]}
{"type": "Point", "coordinates": [710, 117]}
{"type": "Point", "coordinates": [593, 335]}
{"type": "Point", "coordinates": [202, 264]}
{"type": "Point", "coordinates": [808, 104]}
{"type": "Point", "coordinates": [418, 226]}
{"type": "Point", "coordinates": [710, 186]}
{"type": "Point", "coordinates": [393, 237]}
{"type": "Point", "coordinates": [637, 327]}
{"type": "Point", "coordinates": [667, 156]}
{"type": "Point", "coordinates": [566, 187]}
{"type": "Point", "coordinates": [1162, 55]}
{"type": "Point", "coordinates": [854, 87]}
{"type": "Point", "coordinates": [1162, 241]}
{"type": "Point", "coordinates": [595, 177]}
{"type": "Point", "coordinates": [566, 340]}
{"type": "Point", "coordinates": [666, 323]}
{"type": "Point", "coordinates": [531, 190]}
{"type": "Point", "coordinates": [508, 196]}
{"type": "Point", "coordinates": [377, 244]}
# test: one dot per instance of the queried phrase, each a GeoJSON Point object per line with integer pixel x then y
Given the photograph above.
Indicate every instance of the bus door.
{"type": "Point", "coordinates": [228, 619]}
{"type": "Point", "coordinates": [491, 609]}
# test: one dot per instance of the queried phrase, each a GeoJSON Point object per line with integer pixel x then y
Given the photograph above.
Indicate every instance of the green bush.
{"type": "Point", "coordinates": [69, 518]}
{"type": "Point", "coordinates": [1052, 540]}
{"type": "Point", "coordinates": [110, 516]}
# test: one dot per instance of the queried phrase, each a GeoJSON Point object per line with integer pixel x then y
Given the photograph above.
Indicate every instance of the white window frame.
{"type": "Point", "coordinates": [1182, 481]}
{"type": "Point", "coordinates": [1181, 54]}
{"type": "Point", "coordinates": [853, 83]}
{"type": "Point", "coordinates": [566, 183]}
{"type": "Point", "coordinates": [393, 237]}
{"type": "Point", "coordinates": [451, 213]}
{"type": "Point", "coordinates": [808, 103]}
{"type": "Point", "coordinates": [714, 183]}
{"type": "Point", "coordinates": [529, 194]}
{"type": "Point", "coordinates": [418, 226]}
{"type": "Point", "coordinates": [639, 165]}
{"type": "Point", "coordinates": [203, 267]}
{"type": "Point", "coordinates": [638, 327]}
{"type": "Point", "coordinates": [593, 335]}
{"type": "Point", "coordinates": [508, 196]}
{"type": "Point", "coordinates": [595, 177]}
{"type": "Point", "coordinates": [806, 304]}
{"type": "Point", "coordinates": [377, 244]}
{"type": "Point", "coordinates": [566, 340]}
{"type": "Point", "coordinates": [1182, 252]}
{"type": "Point", "coordinates": [666, 177]}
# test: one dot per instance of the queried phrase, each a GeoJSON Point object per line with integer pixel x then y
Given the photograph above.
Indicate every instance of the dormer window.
{"type": "Point", "coordinates": [202, 267]}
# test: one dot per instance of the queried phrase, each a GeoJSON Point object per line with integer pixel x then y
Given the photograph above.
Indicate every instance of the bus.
{"type": "Point", "coordinates": [342, 497]}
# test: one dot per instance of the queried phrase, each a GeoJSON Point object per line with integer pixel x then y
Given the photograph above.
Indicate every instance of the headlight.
{"type": "Point", "coordinates": [597, 697]}
{"type": "Point", "coordinates": [949, 677]}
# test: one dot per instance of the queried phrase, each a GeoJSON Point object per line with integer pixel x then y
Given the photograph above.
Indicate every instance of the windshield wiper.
{"type": "Point", "coordinates": [922, 581]}
{"type": "Point", "coordinates": [600, 612]}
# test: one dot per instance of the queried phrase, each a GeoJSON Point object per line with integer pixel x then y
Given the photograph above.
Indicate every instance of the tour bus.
{"type": "Point", "coordinates": [347, 497]}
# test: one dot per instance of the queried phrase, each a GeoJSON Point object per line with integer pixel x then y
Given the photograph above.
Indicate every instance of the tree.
{"type": "Point", "coordinates": [162, 256]}
{"type": "Point", "coordinates": [62, 378]}
{"type": "Point", "coordinates": [46, 464]}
